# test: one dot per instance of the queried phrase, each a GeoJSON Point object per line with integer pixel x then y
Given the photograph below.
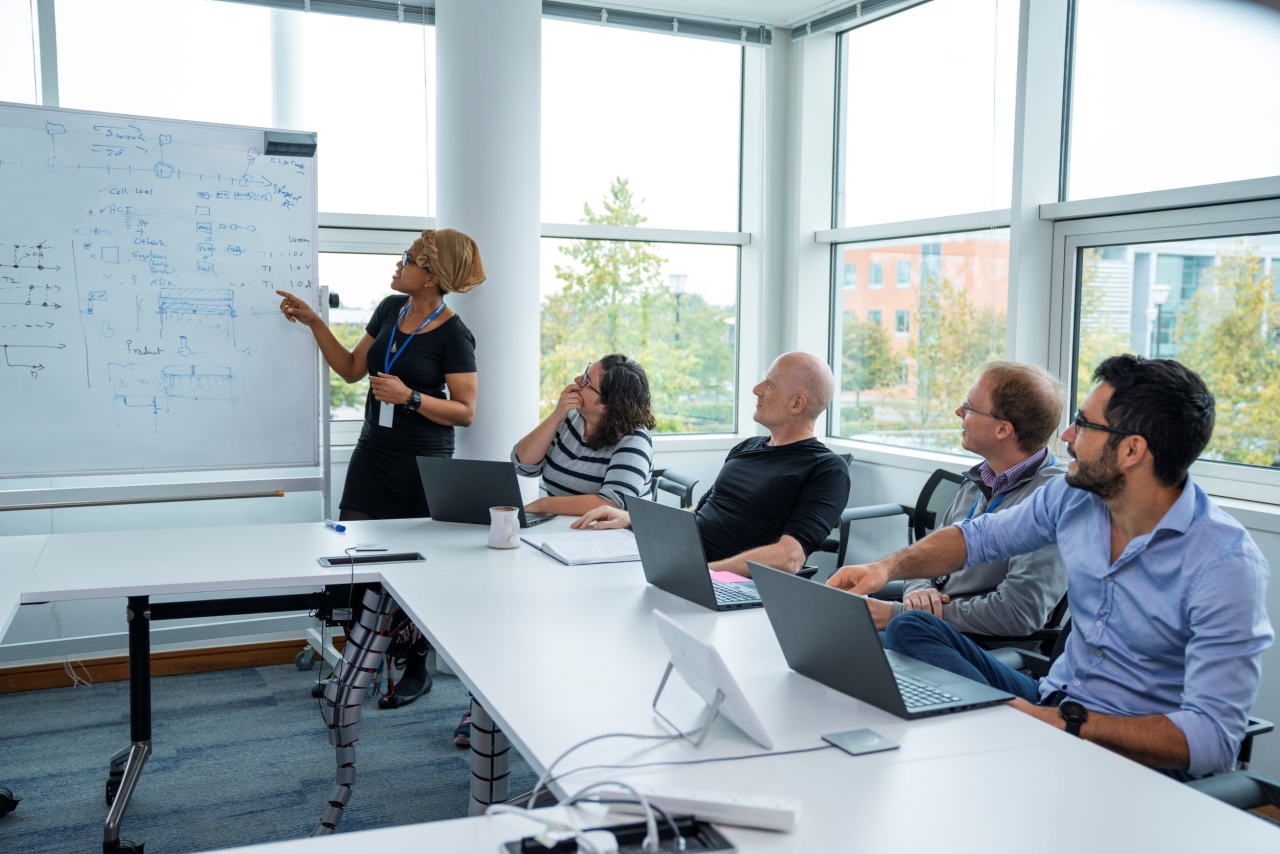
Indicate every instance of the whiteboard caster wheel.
{"type": "Point", "coordinates": [305, 660]}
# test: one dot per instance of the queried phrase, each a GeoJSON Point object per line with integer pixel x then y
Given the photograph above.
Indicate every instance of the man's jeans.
{"type": "Point", "coordinates": [926, 638]}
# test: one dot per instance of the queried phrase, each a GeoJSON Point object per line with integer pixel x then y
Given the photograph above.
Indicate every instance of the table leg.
{"type": "Point", "coordinates": [131, 760]}
{"type": "Point", "coordinates": [490, 761]}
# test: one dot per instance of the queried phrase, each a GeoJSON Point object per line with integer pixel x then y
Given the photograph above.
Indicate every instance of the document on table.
{"type": "Point", "coordinates": [581, 547]}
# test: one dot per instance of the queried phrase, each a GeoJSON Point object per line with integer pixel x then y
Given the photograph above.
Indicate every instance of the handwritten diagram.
{"type": "Point", "coordinates": [139, 261]}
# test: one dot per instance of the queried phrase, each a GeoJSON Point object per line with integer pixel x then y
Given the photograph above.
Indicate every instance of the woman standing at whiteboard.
{"type": "Point", "coordinates": [414, 349]}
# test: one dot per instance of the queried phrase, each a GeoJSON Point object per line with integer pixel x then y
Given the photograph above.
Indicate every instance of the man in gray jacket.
{"type": "Point", "coordinates": [1008, 419]}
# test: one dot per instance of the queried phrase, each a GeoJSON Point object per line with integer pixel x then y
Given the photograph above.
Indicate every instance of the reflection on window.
{"type": "Point", "coordinates": [928, 112]}
{"type": "Point", "coordinates": [17, 56]}
{"type": "Point", "coordinates": [361, 282]}
{"type": "Point", "coordinates": [901, 385]}
{"type": "Point", "coordinates": [1211, 304]}
{"type": "Point", "coordinates": [1173, 93]}
{"type": "Point", "coordinates": [663, 112]}
{"type": "Point", "coordinates": [672, 307]}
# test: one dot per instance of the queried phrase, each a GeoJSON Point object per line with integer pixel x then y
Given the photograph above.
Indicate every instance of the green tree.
{"type": "Point", "coordinates": [954, 338]}
{"type": "Point", "coordinates": [1100, 332]}
{"type": "Point", "coordinates": [867, 363]}
{"type": "Point", "coordinates": [614, 300]}
{"type": "Point", "coordinates": [1228, 334]}
{"type": "Point", "coordinates": [341, 393]}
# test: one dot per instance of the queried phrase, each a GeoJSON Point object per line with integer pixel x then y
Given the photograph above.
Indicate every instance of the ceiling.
{"type": "Point", "coordinates": [778, 13]}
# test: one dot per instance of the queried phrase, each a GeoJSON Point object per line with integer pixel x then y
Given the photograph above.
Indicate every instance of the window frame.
{"type": "Point", "coordinates": [1228, 480]}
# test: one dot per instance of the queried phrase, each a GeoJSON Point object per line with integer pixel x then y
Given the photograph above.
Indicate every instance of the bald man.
{"type": "Point", "coordinates": [776, 498]}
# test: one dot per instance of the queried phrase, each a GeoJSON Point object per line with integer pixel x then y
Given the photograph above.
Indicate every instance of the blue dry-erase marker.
{"type": "Point", "coordinates": [335, 525]}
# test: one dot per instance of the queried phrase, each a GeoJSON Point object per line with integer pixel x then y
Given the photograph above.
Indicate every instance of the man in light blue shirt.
{"type": "Point", "coordinates": [1167, 591]}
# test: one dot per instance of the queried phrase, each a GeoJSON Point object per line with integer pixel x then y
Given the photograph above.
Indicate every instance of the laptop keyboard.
{"type": "Point", "coordinates": [728, 594]}
{"type": "Point", "coordinates": [917, 694]}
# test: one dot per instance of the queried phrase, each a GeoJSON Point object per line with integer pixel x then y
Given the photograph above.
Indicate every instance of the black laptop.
{"type": "Point", "coordinates": [829, 636]}
{"type": "Point", "coordinates": [671, 554]}
{"type": "Point", "coordinates": [464, 490]}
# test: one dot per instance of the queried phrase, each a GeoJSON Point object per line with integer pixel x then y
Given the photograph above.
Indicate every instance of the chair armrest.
{"type": "Point", "coordinates": [1020, 659]}
{"type": "Point", "coordinates": [874, 511]}
{"type": "Point", "coordinates": [807, 571]}
{"type": "Point", "coordinates": [891, 592]}
{"type": "Point", "coordinates": [1242, 789]}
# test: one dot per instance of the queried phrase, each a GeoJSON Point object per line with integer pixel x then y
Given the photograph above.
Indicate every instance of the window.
{"type": "Point", "coordinates": [926, 112]}
{"type": "Point", "coordinates": [850, 277]}
{"type": "Point", "coordinates": [127, 56]}
{"type": "Point", "coordinates": [1172, 93]}
{"type": "Point", "coordinates": [17, 53]}
{"type": "Point", "coordinates": [662, 113]}
{"type": "Point", "coordinates": [875, 275]}
{"type": "Point", "coordinates": [901, 386]}
{"type": "Point", "coordinates": [361, 282]}
{"type": "Point", "coordinates": [902, 275]}
{"type": "Point", "coordinates": [1208, 303]}
{"type": "Point", "coordinates": [672, 307]}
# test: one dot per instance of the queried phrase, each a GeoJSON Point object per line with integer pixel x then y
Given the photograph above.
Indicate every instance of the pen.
{"type": "Point", "coordinates": [332, 524]}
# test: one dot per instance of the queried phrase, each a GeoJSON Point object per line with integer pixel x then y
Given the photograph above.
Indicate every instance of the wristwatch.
{"type": "Point", "coordinates": [1074, 714]}
{"type": "Point", "coordinates": [414, 401]}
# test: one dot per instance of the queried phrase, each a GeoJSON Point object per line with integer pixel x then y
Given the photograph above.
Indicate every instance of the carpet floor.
{"type": "Point", "coordinates": [240, 757]}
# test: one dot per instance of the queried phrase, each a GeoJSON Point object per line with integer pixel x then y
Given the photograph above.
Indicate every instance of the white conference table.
{"type": "Point", "coordinates": [557, 654]}
{"type": "Point", "coordinates": [18, 556]}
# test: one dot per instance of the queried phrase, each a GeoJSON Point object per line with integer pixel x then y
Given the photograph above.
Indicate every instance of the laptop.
{"type": "Point", "coordinates": [671, 554]}
{"type": "Point", "coordinates": [464, 490]}
{"type": "Point", "coordinates": [829, 636]}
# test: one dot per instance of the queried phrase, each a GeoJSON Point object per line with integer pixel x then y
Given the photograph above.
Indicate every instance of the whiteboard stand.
{"type": "Point", "coordinates": [325, 413]}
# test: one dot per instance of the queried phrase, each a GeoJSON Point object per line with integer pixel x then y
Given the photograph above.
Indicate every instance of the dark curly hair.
{"type": "Point", "coordinates": [1166, 403]}
{"type": "Point", "coordinates": [624, 389]}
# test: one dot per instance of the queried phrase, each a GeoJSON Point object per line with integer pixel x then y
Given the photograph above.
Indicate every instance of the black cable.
{"type": "Point", "coordinates": [551, 780]}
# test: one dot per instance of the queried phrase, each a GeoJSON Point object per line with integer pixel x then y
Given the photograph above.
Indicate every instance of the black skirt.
{"type": "Point", "coordinates": [383, 482]}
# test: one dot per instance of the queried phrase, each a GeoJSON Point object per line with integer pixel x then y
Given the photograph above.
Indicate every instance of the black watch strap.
{"type": "Point", "coordinates": [414, 401]}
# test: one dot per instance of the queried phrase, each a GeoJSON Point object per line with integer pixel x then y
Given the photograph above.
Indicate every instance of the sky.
{"type": "Point", "coordinates": [1167, 93]}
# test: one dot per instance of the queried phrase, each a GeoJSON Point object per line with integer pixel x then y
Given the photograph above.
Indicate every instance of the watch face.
{"type": "Point", "coordinates": [1073, 712]}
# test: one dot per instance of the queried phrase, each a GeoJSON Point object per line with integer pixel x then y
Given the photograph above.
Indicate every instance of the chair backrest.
{"type": "Point", "coordinates": [936, 496]}
{"type": "Point", "coordinates": [678, 485]}
{"type": "Point", "coordinates": [1061, 643]}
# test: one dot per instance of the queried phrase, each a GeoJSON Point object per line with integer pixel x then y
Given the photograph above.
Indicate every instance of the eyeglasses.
{"type": "Point", "coordinates": [585, 382]}
{"type": "Point", "coordinates": [406, 260]}
{"type": "Point", "coordinates": [1080, 424]}
{"type": "Point", "coordinates": [967, 408]}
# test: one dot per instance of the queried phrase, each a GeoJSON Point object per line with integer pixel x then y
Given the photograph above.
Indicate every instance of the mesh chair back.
{"type": "Point", "coordinates": [1061, 643]}
{"type": "Point", "coordinates": [938, 493]}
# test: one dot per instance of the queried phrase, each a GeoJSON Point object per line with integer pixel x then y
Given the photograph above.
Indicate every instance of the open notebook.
{"type": "Point", "coordinates": [581, 547]}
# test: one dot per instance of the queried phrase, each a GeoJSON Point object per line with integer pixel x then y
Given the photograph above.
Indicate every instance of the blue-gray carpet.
{"type": "Point", "coordinates": [241, 756]}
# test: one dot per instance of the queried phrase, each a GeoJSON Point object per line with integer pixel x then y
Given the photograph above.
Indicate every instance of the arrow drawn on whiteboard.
{"type": "Point", "coordinates": [36, 368]}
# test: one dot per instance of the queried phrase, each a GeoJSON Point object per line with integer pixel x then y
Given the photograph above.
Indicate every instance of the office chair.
{"type": "Point", "coordinates": [1037, 666]}
{"type": "Point", "coordinates": [1046, 637]}
{"type": "Point", "coordinates": [935, 497]}
{"type": "Point", "coordinates": [675, 483]}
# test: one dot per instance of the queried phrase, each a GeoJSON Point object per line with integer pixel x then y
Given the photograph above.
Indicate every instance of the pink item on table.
{"type": "Point", "coordinates": [729, 577]}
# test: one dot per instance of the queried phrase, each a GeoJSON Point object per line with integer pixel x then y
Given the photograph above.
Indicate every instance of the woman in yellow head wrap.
{"type": "Point", "coordinates": [414, 348]}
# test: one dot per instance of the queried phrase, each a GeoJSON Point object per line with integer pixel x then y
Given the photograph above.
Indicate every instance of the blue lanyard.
{"type": "Point", "coordinates": [387, 359]}
{"type": "Point", "coordinates": [1053, 459]}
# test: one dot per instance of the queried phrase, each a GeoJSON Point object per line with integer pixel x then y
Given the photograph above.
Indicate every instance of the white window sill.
{"type": "Point", "coordinates": [344, 434]}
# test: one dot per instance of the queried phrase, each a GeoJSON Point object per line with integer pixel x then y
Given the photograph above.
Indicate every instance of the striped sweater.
{"type": "Point", "coordinates": [571, 468]}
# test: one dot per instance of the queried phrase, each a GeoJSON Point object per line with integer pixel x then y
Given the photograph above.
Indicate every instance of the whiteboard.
{"type": "Point", "coordinates": [139, 325]}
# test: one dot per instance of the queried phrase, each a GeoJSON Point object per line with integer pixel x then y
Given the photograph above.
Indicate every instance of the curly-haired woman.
{"type": "Point", "coordinates": [595, 446]}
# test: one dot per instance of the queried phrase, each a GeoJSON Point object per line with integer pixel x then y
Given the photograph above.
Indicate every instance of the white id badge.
{"type": "Point", "coordinates": [385, 412]}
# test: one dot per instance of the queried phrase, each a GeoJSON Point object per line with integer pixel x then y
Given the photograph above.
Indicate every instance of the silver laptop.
{"type": "Point", "coordinates": [671, 554]}
{"type": "Point", "coordinates": [829, 636]}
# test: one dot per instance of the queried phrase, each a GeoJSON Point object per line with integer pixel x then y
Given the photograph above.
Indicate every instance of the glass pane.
{"type": "Point", "coordinates": [361, 282]}
{"type": "Point", "coordinates": [375, 122]}
{"type": "Point", "coordinates": [1173, 93]}
{"type": "Point", "coordinates": [180, 59]}
{"type": "Point", "coordinates": [908, 355]}
{"type": "Point", "coordinates": [373, 111]}
{"type": "Point", "coordinates": [672, 307]}
{"type": "Point", "coordinates": [1211, 304]}
{"type": "Point", "coordinates": [928, 116]}
{"type": "Point", "coordinates": [17, 52]}
{"type": "Point", "coordinates": [663, 113]}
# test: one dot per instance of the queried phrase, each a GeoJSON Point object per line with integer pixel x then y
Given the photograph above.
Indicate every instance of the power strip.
{"type": "Point", "coordinates": [759, 811]}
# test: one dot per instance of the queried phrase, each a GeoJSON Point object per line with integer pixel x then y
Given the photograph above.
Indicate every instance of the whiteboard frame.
{"type": "Point", "coordinates": [89, 495]}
